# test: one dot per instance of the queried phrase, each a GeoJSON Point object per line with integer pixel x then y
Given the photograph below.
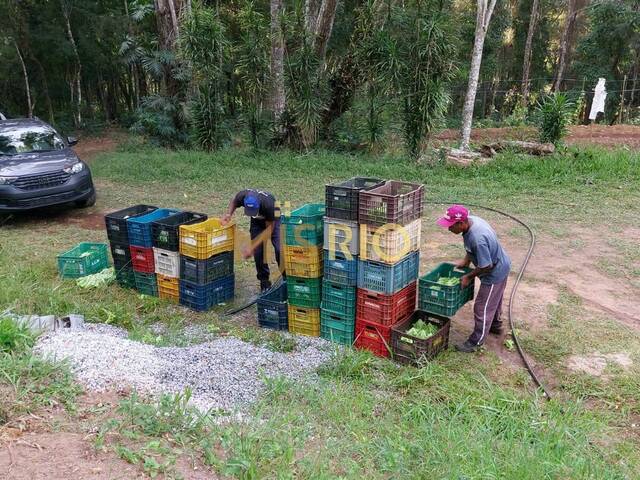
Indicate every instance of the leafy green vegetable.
{"type": "Point", "coordinates": [96, 280]}
{"type": "Point", "coordinates": [449, 281]}
{"type": "Point", "coordinates": [421, 330]}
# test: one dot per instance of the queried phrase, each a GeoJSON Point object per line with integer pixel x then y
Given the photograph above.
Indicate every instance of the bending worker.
{"type": "Point", "coordinates": [492, 265]}
{"type": "Point", "coordinates": [265, 224]}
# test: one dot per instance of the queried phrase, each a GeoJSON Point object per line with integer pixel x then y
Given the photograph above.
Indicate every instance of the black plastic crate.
{"type": "Point", "coordinates": [273, 309]}
{"type": "Point", "coordinates": [121, 255]}
{"type": "Point", "coordinates": [206, 271]}
{"type": "Point", "coordinates": [342, 199]}
{"type": "Point", "coordinates": [116, 222]}
{"type": "Point", "coordinates": [411, 350]}
{"type": "Point", "coordinates": [165, 233]}
{"type": "Point", "coordinates": [394, 202]}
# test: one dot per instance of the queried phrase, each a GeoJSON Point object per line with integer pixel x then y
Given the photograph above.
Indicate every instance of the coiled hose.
{"type": "Point", "coordinates": [523, 267]}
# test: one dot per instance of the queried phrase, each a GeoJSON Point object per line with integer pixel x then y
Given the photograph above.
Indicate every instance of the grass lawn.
{"type": "Point", "coordinates": [365, 417]}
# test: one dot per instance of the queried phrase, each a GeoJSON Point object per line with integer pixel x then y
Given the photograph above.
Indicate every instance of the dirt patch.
{"type": "Point", "coordinates": [86, 221]}
{"type": "Point", "coordinates": [30, 448]}
{"type": "Point", "coordinates": [610, 136]}
{"type": "Point", "coordinates": [596, 363]}
{"type": "Point", "coordinates": [89, 147]}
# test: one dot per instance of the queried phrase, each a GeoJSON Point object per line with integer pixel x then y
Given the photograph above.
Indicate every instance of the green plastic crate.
{"type": "Point", "coordinates": [84, 259]}
{"type": "Point", "coordinates": [305, 225]}
{"type": "Point", "coordinates": [304, 292]}
{"type": "Point", "coordinates": [441, 299]}
{"type": "Point", "coordinates": [336, 327]}
{"type": "Point", "coordinates": [147, 283]}
{"type": "Point", "coordinates": [126, 278]}
{"type": "Point", "coordinates": [339, 298]}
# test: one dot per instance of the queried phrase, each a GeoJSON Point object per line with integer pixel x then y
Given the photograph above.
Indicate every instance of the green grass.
{"type": "Point", "coordinates": [28, 382]}
{"type": "Point", "coordinates": [364, 417]}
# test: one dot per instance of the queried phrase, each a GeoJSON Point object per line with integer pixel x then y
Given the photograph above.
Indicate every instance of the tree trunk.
{"type": "Point", "coordinates": [167, 12]}
{"type": "Point", "coordinates": [278, 100]}
{"type": "Point", "coordinates": [78, 73]}
{"type": "Point", "coordinates": [45, 84]}
{"type": "Point", "coordinates": [569, 24]}
{"type": "Point", "coordinates": [324, 26]}
{"type": "Point", "coordinates": [25, 75]}
{"type": "Point", "coordinates": [311, 9]}
{"type": "Point", "coordinates": [526, 62]}
{"type": "Point", "coordinates": [483, 17]}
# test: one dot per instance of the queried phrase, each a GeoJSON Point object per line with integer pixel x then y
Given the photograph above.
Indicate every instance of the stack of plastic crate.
{"type": "Point", "coordinates": [166, 257]}
{"type": "Point", "coordinates": [141, 248]}
{"type": "Point", "coordinates": [206, 264]}
{"type": "Point", "coordinates": [341, 250]}
{"type": "Point", "coordinates": [390, 226]}
{"type": "Point", "coordinates": [118, 234]}
{"type": "Point", "coordinates": [303, 237]}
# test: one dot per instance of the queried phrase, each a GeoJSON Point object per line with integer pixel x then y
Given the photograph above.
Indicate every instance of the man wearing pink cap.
{"type": "Point", "coordinates": [492, 265]}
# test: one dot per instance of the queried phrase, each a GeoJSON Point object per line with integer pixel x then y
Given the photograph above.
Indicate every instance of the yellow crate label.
{"type": "Point", "coordinates": [190, 241]}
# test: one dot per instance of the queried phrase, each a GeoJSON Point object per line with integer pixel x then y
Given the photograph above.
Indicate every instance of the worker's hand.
{"type": "Point", "coordinates": [226, 218]}
{"type": "Point", "coordinates": [465, 281]}
{"type": "Point", "coordinates": [246, 252]}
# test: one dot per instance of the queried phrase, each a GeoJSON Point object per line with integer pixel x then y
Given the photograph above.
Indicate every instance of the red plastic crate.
{"type": "Point", "coordinates": [386, 309]}
{"type": "Point", "coordinates": [373, 336]}
{"type": "Point", "coordinates": [142, 259]}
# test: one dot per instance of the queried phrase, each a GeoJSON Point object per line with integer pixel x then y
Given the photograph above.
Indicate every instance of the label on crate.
{"type": "Point", "coordinates": [302, 288]}
{"type": "Point", "coordinates": [120, 251]}
{"type": "Point", "coordinates": [273, 313]}
{"type": "Point", "coordinates": [220, 239]}
{"type": "Point", "coordinates": [372, 305]}
{"type": "Point", "coordinates": [190, 241]}
{"type": "Point", "coordinates": [115, 227]}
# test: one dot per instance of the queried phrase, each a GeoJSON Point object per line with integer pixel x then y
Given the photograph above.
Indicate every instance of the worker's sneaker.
{"type": "Point", "coordinates": [467, 347]}
{"type": "Point", "coordinates": [265, 285]}
{"type": "Point", "coordinates": [496, 330]}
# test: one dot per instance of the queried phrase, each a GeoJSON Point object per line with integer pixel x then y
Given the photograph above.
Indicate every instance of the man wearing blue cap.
{"type": "Point", "coordinates": [265, 223]}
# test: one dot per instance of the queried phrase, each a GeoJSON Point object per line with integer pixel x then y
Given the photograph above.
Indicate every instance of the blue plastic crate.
{"type": "Point", "coordinates": [139, 228]}
{"type": "Point", "coordinates": [205, 297]}
{"type": "Point", "coordinates": [388, 279]}
{"type": "Point", "coordinates": [273, 309]}
{"type": "Point", "coordinates": [340, 270]}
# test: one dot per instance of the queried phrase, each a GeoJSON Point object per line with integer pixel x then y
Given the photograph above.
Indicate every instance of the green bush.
{"type": "Point", "coordinates": [14, 337]}
{"type": "Point", "coordinates": [554, 113]}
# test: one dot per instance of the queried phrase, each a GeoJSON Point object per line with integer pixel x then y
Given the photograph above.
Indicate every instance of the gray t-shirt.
{"type": "Point", "coordinates": [483, 246]}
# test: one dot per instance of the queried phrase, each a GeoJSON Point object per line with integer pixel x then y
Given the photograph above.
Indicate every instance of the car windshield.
{"type": "Point", "coordinates": [27, 139]}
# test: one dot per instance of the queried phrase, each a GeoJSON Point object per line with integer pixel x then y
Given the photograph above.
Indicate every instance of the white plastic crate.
{"type": "Point", "coordinates": [167, 262]}
{"type": "Point", "coordinates": [389, 244]}
{"type": "Point", "coordinates": [336, 231]}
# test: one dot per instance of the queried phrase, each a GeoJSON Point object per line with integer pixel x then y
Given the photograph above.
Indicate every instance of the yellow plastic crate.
{"type": "Point", "coordinates": [305, 262]}
{"type": "Point", "coordinates": [168, 288]}
{"type": "Point", "coordinates": [304, 321]}
{"type": "Point", "coordinates": [206, 239]}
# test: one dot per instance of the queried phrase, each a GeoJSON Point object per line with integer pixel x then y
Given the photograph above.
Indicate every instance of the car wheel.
{"type": "Point", "coordinates": [87, 202]}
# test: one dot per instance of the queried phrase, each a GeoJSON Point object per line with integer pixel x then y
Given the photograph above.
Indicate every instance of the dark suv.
{"type": "Point", "coordinates": [39, 169]}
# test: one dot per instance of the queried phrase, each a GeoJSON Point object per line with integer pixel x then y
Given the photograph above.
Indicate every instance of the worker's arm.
{"type": "Point", "coordinates": [483, 264]}
{"type": "Point", "coordinates": [255, 242]}
{"type": "Point", "coordinates": [230, 210]}
{"type": "Point", "coordinates": [465, 262]}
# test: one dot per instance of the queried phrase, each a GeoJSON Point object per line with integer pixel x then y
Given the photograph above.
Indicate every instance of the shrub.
{"type": "Point", "coordinates": [554, 113]}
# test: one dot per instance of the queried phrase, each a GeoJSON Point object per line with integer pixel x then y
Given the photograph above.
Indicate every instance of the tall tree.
{"type": "Point", "coordinates": [526, 62]}
{"type": "Point", "coordinates": [567, 34]}
{"type": "Point", "coordinates": [25, 75]}
{"type": "Point", "coordinates": [76, 81]}
{"type": "Point", "coordinates": [483, 17]}
{"type": "Point", "coordinates": [278, 100]}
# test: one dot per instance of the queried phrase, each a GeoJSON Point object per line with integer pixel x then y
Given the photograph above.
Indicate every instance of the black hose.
{"type": "Point", "coordinates": [527, 257]}
{"type": "Point", "coordinates": [251, 302]}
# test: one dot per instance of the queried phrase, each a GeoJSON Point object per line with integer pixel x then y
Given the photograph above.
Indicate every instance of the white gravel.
{"type": "Point", "coordinates": [224, 373]}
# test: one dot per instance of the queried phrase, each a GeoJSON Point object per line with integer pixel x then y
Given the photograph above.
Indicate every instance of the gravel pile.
{"type": "Point", "coordinates": [224, 373]}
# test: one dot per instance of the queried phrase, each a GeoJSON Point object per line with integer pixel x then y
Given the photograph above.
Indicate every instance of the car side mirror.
{"type": "Point", "coordinates": [72, 141]}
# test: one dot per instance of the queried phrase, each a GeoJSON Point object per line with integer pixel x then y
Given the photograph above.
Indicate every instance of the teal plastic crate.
{"type": "Point", "coordinates": [304, 226]}
{"type": "Point", "coordinates": [146, 283]}
{"type": "Point", "coordinates": [441, 299]}
{"type": "Point", "coordinates": [84, 259]}
{"type": "Point", "coordinates": [304, 292]}
{"type": "Point", "coordinates": [126, 277]}
{"type": "Point", "coordinates": [339, 298]}
{"type": "Point", "coordinates": [336, 327]}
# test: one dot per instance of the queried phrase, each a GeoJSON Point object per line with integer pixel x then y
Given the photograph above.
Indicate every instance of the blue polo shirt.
{"type": "Point", "coordinates": [483, 246]}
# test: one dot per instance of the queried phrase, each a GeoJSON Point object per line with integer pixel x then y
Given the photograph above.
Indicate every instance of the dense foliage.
{"type": "Point", "coordinates": [201, 71]}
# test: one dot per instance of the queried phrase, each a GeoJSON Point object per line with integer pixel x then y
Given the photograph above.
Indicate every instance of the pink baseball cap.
{"type": "Point", "coordinates": [455, 214]}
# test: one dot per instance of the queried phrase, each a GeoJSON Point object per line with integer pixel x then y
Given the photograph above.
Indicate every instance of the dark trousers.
{"type": "Point", "coordinates": [256, 228]}
{"type": "Point", "coordinates": [487, 310]}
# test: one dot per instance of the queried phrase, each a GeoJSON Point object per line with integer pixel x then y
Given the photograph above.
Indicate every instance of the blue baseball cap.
{"type": "Point", "coordinates": [251, 205]}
